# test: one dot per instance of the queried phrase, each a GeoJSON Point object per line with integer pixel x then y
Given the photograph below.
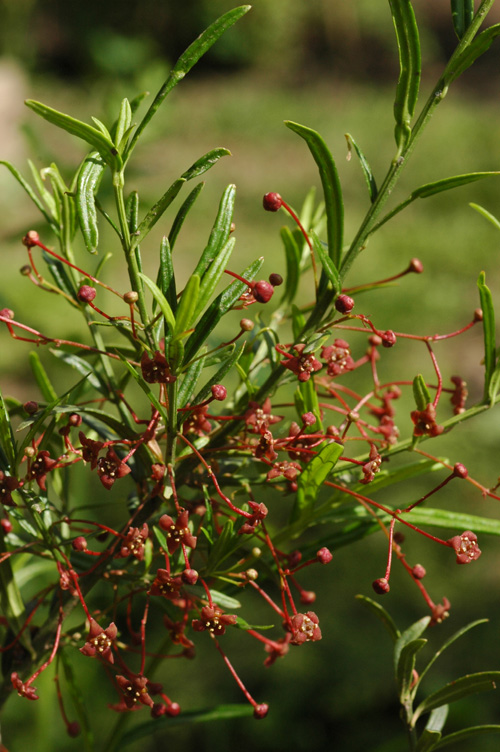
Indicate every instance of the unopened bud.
{"type": "Point", "coordinates": [344, 304]}
{"type": "Point", "coordinates": [247, 325]}
{"type": "Point", "coordinates": [416, 266]}
{"type": "Point", "coordinates": [86, 294]}
{"type": "Point", "coordinates": [460, 471]}
{"type": "Point", "coordinates": [79, 544]}
{"type": "Point", "coordinates": [260, 711]}
{"type": "Point", "coordinates": [251, 574]}
{"type": "Point", "coordinates": [275, 279]}
{"type": "Point", "coordinates": [324, 555]}
{"type": "Point", "coordinates": [309, 419]}
{"type": "Point", "coordinates": [272, 202]}
{"type": "Point", "coordinates": [190, 576]}
{"type": "Point", "coordinates": [478, 314]}
{"type": "Point", "coordinates": [307, 597]}
{"type": "Point", "coordinates": [131, 297]}
{"type": "Point", "coordinates": [381, 586]}
{"type": "Point", "coordinates": [256, 552]}
{"type": "Point", "coordinates": [31, 238]}
{"type": "Point", "coordinates": [388, 338]}
{"type": "Point", "coordinates": [418, 572]}
{"type": "Point", "coordinates": [31, 407]}
{"type": "Point", "coordinates": [73, 729]}
{"type": "Point", "coordinates": [6, 526]}
{"type": "Point", "coordinates": [219, 392]}
{"type": "Point", "coordinates": [26, 270]}
{"type": "Point", "coordinates": [262, 291]}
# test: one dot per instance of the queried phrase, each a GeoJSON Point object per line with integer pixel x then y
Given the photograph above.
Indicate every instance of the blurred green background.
{"type": "Point", "coordinates": [331, 66]}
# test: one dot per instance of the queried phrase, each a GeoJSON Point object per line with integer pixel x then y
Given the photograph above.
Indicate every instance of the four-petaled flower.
{"type": "Point", "coordinates": [40, 467]}
{"type": "Point", "coordinates": [23, 690]}
{"type": "Point", "coordinates": [465, 547]}
{"type": "Point", "coordinates": [305, 628]}
{"type": "Point", "coordinates": [303, 364]}
{"type": "Point", "coordinates": [156, 370]}
{"type": "Point", "coordinates": [197, 422]}
{"type": "Point", "coordinates": [134, 691]}
{"type": "Point", "coordinates": [425, 422]}
{"type": "Point", "coordinates": [177, 532]}
{"type": "Point", "coordinates": [90, 449]}
{"type": "Point", "coordinates": [165, 585]}
{"type": "Point", "coordinates": [338, 358]}
{"type": "Point", "coordinates": [259, 512]}
{"type": "Point", "coordinates": [258, 419]}
{"type": "Point", "coordinates": [288, 470]}
{"type": "Point", "coordinates": [133, 544]}
{"type": "Point", "coordinates": [372, 466]}
{"type": "Point", "coordinates": [100, 641]}
{"type": "Point", "coordinates": [110, 468]}
{"type": "Point", "coordinates": [213, 621]}
{"type": "Point", "coordinates": [7, 484]}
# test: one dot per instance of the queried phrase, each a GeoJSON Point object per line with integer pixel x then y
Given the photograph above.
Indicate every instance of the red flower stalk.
{"type": "Point", "coordinates": [100, 641]}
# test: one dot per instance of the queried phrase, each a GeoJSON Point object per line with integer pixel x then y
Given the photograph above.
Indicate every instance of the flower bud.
{"type": "Point", "coordinates": [272, 202]}
{"type": "Point", "coordinates": [275, 279]}
{"type": "Point", "coordinates": [131, 297]}
{"type": "Point", "coordinates": [251, 574]}
{"type": "Point", "coordinates": [418, 572]}
{"type": "Point", "coordinates": [6, 526]}
{"type": "Point", "coordinates": [31, 407]}
{"type": "Point", "coordinates": [324, 556]}
{"type": "Point", "coordinates": [75, 420]}
{"type": "Point", "coordinates": [219, 392]}
{"type": "Point", "coordinates": [247, 325]}
{"type": "Point", "coordinates": [73, 729]}
{"type": "Point", "coordinates": [309, 419]}
{"type": "Point", "coordinates": [344, 304]}
{"type": "Point", "coordinates": [416, 266]}
{"type": "Point", "coordinates": [31, 238]}
{"type": "Point", "coordinates": [26, 270]}
{"type": "Point", "coordinates": [79, 544]}
{"type": "Point", "coordinates": [262, 291]}
{"type": "Point", "coordinates": [190, 576]}
{"type": "Point", "coordinates": [478, 314]}
{"type": "Point", "coordinates": [460, 471]}
{"type": "Point", "coordinates": [173, 709]}
{"type": "Point", "coordinates": [381, 586]}
{"type": "Point", "coordinates": [388, 338]}
{"type": "Point", "coordinates": [260, 711]}
{"type": "Point", "coordinates": [307, 597]}
{"type": "Point", "coordinates": [7, 313]}
{"type": "Point", "coordinates": [86, 294]}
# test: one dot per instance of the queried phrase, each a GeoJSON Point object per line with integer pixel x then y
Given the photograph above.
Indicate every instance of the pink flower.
{"type": "Point", "coordinates": [303, 364]}
{"type": "Point", "coordinates": [133, 545]}
{"type": "Point", "coordinates": [23, 690]}
{"type": "Point", "coordinates": [305, 628]}
{"type": "Point", "coordinates": [465, 547]}
{"type": "Point", "coordinates": [156, 370]}
{"type": "Point", "coordinates": [338, 358]}
{"type": "Point", "coordinates": [40, 467]}
{"type": "Point", "coordinates": [258, 419]}
{"type": "Point", "coordinates": [134, 691]}
{"type": "Point", "coordinates": [100, 641]}
{"type": "Point", "coordinates": [425, 422]}
{"type": "Point", "coordinates": [7, 484]}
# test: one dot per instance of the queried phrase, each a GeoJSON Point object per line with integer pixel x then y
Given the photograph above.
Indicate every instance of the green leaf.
{"type": "Point", "coordinates": [182, 214]}
{"type": "Point", "coordinates": [489, 334]}
{"type": "Point", "coordinates": [409, 69]}
{"type": "Point", "coordinates": [312, 478]}
{"type": "Point", "coordinates": [381, 614]}
{"type": "Point", "coordinates": [82, 130]}
{"type": "Point", "coordinates": [292, 256]}
{"type": "Point", "coordinates": [221, 229]}
{"type": "Point", "coordinates": [78, 701]}
{"type": "Point", "coordinates": [48, 392]}
{"type": "Point", "coordinates": [467, 733]}
{"type": "Point", "coordinates": [409, 636]}
{"type": "Point", "coordinates": [185, 313]}
{"type": "Point", "coordinates": [84, 368]}
{"type": "Point", "coordinates": [406, 666]}
{"type": "Point", "coordinates": [222, 548]}
{"type": "Point", "coordinates": [166, 275]}
{"type": "Point", "coordinates": [242, 624]}
{"type": "Point", "coordinates": [457, 690]}
{"type": "Point", "coordinates": [7, 441]}
{"type": "Point", "coordinates": [326, 262]}
{"type": "Point", "coordinates": [367, 172]}
{"type": "Point", "coordinates": [213, 275]}
{"type": "Point", "coordinates": [161, 300]}
{"type": "Point", "coordinates": [87, 185]}
{"type": "Point", "coordinates": [11, 602]}
{"type": "Point", "coordinates": [189, 382]}
{"type": "Point", "coordinates": [490, 217]}
{"type": "Point", "coordinates": [224, 601]}
{"type": "Point", "coordinates": [332, 190]}
{"type": "Point", "coordinates": [123, 124]}
{"type": "Point", "coordinates": [219, 713]}
{"type": "Point", "coordinates": [298, 322]}
{"type": "Point", "coordinates": [449, 642]}
{"type": "Point", "coordinates": [187, 60]}
{"type": "Point", "coordinates": [205, 163]}
{"type": "Point", "coordinates": [433, 730]}
{"type": "Point", "coordinates": [462, 13]}
{"type": "Point", "coordinates": [220, 306]}
{"type": "Point", "coordinates": [31, 193]}
{"type": "Point", "coordinates": [469, 55]}
{"type": "Point", "coordinates": [421, 394]}
{"type": "Point", "coordinates": [156, 212]}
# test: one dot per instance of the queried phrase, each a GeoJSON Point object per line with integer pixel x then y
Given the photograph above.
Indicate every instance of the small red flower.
{"type": "Point", "coordinates": [197, 422]}
{"type": "Point", "coordinates": [277, 649]}
{"type": "Point", "coordinates": [265, 447]}
{"type": "Point", "coordinates": [372, 466]}
{"type": "Point", "coordinates": [133, 545]}
{"type": "Point", "coordinates": [305, 628]}
{"type": "Point", "coordinates": [303, 364]}
{"type": "Point", "coordinates": [259, 513]}
{"type": "Point", "coordinates": [23, 690]}
{"type": "Point", "coordinates": [288, 470]}
{"type": "Point", "coordinates": [156, 370]}
{"type": "Point", "coordinates": [100, 641]}
{"type": "Point", "coordinates": [90, 449]}
{"type": "Point", "coordinates": [40, 467]}
{"type": "Point", "coordinates": [7, 484]}
{"type": "Point", "coordinates": [258, 419]}
{"type": "Point", "coordinates": [213, 621]}
{"type": "Point", "coordinates": [177, 532]}
{"type": "Point", "coordinates": [134, 691]}
{"type": "Point", "coordinates": [465, 547]}
{"type": "Point", "coordinates": [440, 612]}
{"type": "Point", "coordinates": [338, 358]}
{"type": "Point", "coordinates": [165, 585]}
{"type": "Point", "coordinates": [110, 468]}
{"type": "Point", "coordinates": [425, 422]}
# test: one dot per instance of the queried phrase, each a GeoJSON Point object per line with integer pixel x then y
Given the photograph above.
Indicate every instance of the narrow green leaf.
{"type": "Point", "coordinates": [292, 256]}
{"type": "Point", "coordinates": [494, 384]}
{"type": "Point", "coordinates": [220, 306]}
{"type": "Point", "coordinates": [7, 441]}
{"type": "Point", "coordinates": [326, 262]}
{"type": "Point", "coordinates": [205, 163]}
{"type": "Point", "coordinates": [11, 602]}
{"type": "Point", "coordinates": [312, 478]}
{"type": "Point", "coordinates": [367, 171]}
{"type": "Point", "coordinates": [187, 60]}
{"type": "Point", "coordinates": [222, 548]}
{"type": "Point", "coordinates": [332, 191]}
{"type": "Point", "coordinates": [406, 666]}
{"type": "Point", "coordinates": [409, 635]}
{"type": "Point", "coordinates": [457, 690]}
{"type": "Point", "coordinates": [449, 642]}
{"type": "Point", "coordinates": [467, 733]}
{"type": "Point", "coordinates": [182, 214]}
{"type": "Point", "coordinates": [92, 377]}
{"type": "Point", "coordinates": [219, 713]}
{"type": "Point", "coordinates": [87, 185]}
{"type": "Point", "coordinates": [437, 718]}
{"type": "Point", "coordinates": [221, 229]}
{"type": "Point", "coordinates": [82, 130]}
{"type": "Point", "coordinates": [48, 392]}
{"type": "Point", "coordinates": [161, 300]}
{"type": "Point", "coordinates": [185, 313]}
{"type": "Point", "coordinates": [123, 123]}
{"type": "Point", "coordinates": [31, 193]}
{"type": "Point", "coordinates": [428, 740]}
{"type": "Point", "coordinates": [44, 192]}
{"type": "Point", "coordinates": [489, 334]}
{"type": "Point", "coordinates": [462, 13]}
{"type": "Point", "coordinates": [213, 275]}
{"type": "Point", "coordinates": [78, 701]}
{"type": "Point", "coordinates": [381, 614]}
{"type": "Point", "coordinates": [409, 69]}
{"type": "Point", "coordinates": [166, 276]}
{"type": "Point", "coordinates": [190, 381]}
{"type": "Point", "coordinates": [225, 601]}
{"type": "Point", "coordinates": [469, 55]}
{"type": "Point", "coordinates": [487, 215]}
{"type": "Point", "coordinates": [102, 128]}
{"type": "Point", "coordinates": [59, 274]}
{"type": "Point", "coordinates": [157, 211]}
{"type": "Point", "coordinates": [298, 322]}
{"type": "Point", "coordinates": [421, 394]}
{"type": "Point", "coordinates": [132, 212]}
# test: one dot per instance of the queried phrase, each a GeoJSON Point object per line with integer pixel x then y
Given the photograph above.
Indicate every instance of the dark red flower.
{"type": "Point", "coordinates": [40, 467]}
{"type": "Point", "coordinates": [440, 612]}
{"type": "Point", "coordinates": [7, 484]}
{"type": "Point", "coordinates": [133, 545]}
{"type": "Point", "coordinates": [156, 370]}
{"type": "Point", "coordinates": [90, 449]}
{"type": "Point", "coordinates": [258, 419]}
{"type": "Point", "coordinates": [177, 532]}
{"type": "Point", "coordinates": [259, 513]}
{"type": "Point", "coordinates": [303, 364]}
{"type": "Point", "coordinates": [465, 547]}
{"type": "Point", "coordinates": [197, 422]}
{"type": "Point", "coordinates": [372, 466]}
{"type": "Point", "coordinates": [134, 691]}
{"type": "Point", "coordinates": [459, 396]}
{"type": "Point", "coordinates": [338, 357]}
{"type": "Point", "coordinates": [425, 422]}
{"type": "Point", "coordinates": [100, 641]}
{"type": "Point", "coordinates": [110, 468]}
{"type": "Point", "coordinates": [23, 690]}
{"type": "Point", "coordinates": [213, 620]}
{"type": "Point", "coordinates": [305, 628]}
{"type": "Point", "coordinates": [288, 470]}
{"type": "Point", "coordinates": [277, 649]}
{"type": "Point", "coordinates": [165, 585]}
{"type": "Point", "coordinates": [265, 447]}
{"type": "Point", "coordinates": [176, 630]}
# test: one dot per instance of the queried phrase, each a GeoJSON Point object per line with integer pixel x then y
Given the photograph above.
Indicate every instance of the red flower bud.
{"type": "Point", "coordinates": [324, 556]}
{"type": "Point", "coordinates": [344, 304]}
{"type": "Point", "coordinates": [275, 279]}
{"type": "Point", "coordinates": [86, 294]}
{"type": "Point", "coordinates": [262, 291]}
{"type": "Point", "coordinates": [272, 202]}
{"type": "Point", "coordinates": [219, 392]}
{"type": "Point", "coordinates": [381, 586]}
